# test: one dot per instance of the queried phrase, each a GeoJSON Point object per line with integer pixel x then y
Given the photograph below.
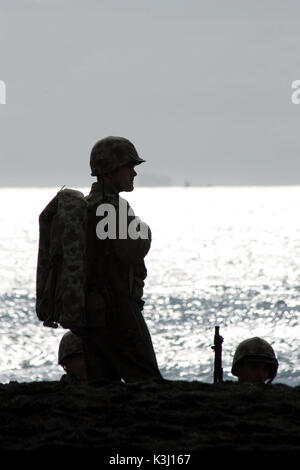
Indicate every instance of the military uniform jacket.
{"type": "Point", "coordinates": [115, 268]}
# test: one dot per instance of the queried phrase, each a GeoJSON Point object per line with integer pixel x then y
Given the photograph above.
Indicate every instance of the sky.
{"type": "Point", "coordinates": [202, 88]}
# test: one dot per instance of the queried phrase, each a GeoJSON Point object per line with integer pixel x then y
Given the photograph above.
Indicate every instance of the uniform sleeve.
{"type": "Point", "coordinates": [133, 250]}
{"type": "Point", "coordinates": [137, 242]}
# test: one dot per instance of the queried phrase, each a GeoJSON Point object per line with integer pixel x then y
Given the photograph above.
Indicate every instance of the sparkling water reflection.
{"type": "Point", "coordinates": [220, 255]}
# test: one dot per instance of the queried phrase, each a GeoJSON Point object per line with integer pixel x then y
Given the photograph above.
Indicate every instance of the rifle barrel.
{"type": "Point", "coordinates": [217, 347]}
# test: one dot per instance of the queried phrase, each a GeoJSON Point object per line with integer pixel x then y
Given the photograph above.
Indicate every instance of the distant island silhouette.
{"type": "Point", "coordinates": [151, 179]}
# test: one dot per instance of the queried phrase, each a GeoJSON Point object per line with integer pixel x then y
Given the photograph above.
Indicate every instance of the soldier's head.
{"type": "Point", "coordinates": [114, 160]}
{"type": "Point", "coordinates": [254, 361]}
{"type": "Point", "coordinates": [71, 357]}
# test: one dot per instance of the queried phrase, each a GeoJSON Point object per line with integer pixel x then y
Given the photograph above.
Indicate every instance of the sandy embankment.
{"type": "Point", "coordinates": [173, 415]}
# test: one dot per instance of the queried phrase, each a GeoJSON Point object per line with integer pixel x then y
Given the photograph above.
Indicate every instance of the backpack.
{"type": "Point", "coordinates": [62, 261]}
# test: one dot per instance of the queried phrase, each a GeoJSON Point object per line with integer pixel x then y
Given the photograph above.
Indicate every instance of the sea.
{"type": "Point", "coordinates": [220, 256]}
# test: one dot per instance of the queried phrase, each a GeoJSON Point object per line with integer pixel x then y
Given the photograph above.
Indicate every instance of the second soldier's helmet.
{"type": "Point", "coordinates": [255, 349]}
{"type": "Point", "coordinates": [111, 153]}
{"type": "Point", "coordinates": [69, 344]}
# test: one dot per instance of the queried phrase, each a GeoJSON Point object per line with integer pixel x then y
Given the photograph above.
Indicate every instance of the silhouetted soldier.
{"type": "Point", "coordinates": [117, 343]}
{"type": "Point", "coordinates": [71, 358]}
{"type": "Point", "coordinates": [254, 361]}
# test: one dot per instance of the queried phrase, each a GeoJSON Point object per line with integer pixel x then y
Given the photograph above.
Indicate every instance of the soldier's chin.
{"type": "Point", "coordinates": [130, 188]}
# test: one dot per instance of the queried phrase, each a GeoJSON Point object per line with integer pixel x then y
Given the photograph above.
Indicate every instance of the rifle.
{"type": "Point", "coordinates": [218, 371]}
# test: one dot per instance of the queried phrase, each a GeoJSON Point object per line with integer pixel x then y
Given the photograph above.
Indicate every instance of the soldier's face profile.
{"type": "Point", "coordinates": [253, 371]}
{"type": "Point", "coordinates": [122, 179]}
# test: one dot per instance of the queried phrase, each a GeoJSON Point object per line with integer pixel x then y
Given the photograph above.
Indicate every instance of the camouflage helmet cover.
{"type": "Point", "coordinates": [111, 153]}
{"type": "Point", "coordinates": [69, 344]}
{"type": "Point", "coordinates": [255, 349]}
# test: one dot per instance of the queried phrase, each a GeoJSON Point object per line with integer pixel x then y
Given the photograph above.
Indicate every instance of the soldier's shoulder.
{"type": "Point", "coordinates": [70, 379]}
{"type": "Point", "coordinates": [97, 199]}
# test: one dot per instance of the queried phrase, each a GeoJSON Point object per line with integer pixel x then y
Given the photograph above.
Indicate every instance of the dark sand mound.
{"type": "Point", "coordinates": [173, 415]}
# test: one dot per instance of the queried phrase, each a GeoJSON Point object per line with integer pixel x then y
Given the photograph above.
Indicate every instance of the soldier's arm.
{"type": "Point", "coordinates": [137, 242]}
{"type": "Point", "coordinates": [132, 250]}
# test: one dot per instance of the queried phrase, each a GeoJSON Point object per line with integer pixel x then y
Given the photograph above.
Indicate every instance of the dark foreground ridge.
{"type": "Point", "coordinates": [149, 415]}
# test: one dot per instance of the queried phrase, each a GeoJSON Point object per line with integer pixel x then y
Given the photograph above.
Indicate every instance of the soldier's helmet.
{"type": "Point", "coordinates": [255, 349]}
{"type": "Point", "coordinates": [69, 344]}
{"type": "Point", "coordinates": [111, 153]}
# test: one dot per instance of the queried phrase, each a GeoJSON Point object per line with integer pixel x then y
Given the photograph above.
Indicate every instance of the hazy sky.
{"type": "Point", "coordinates": [202, 88]}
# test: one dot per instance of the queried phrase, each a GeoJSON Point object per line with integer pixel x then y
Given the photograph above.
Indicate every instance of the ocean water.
{"type": "Point", "coordinates": [227, 256]}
